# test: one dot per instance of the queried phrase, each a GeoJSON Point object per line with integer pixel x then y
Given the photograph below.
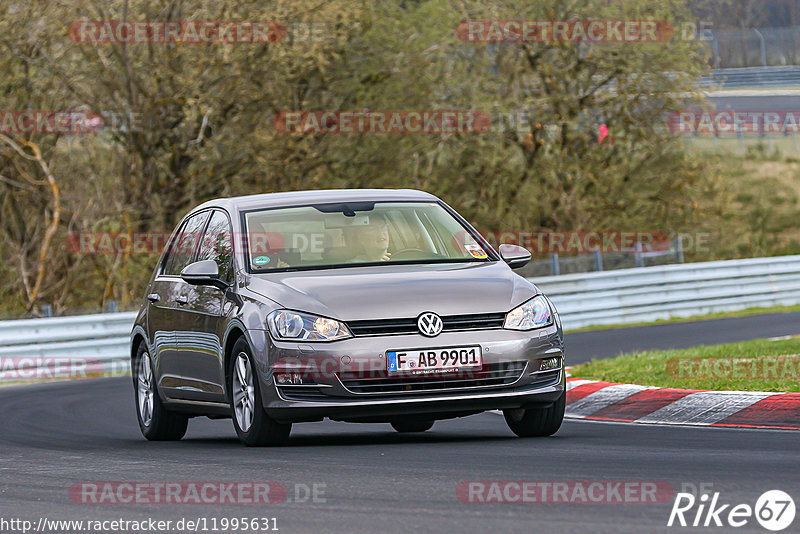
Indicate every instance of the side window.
{"type": "Point", "coordinates": [217, 245]}
{"type": "Point", "coordinates": [172, 246]}
{"type": "Point", "coordinates": [184, 244]}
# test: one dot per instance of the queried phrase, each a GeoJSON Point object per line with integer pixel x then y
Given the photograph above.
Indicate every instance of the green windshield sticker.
{"type": "Point", "coordinates": [261, 260]}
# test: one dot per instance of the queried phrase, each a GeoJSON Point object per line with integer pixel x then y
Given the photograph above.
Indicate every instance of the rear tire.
{"type": "Point", "coordinates": [537, 422]}
{"type": "Point", "coordinates": [411, 425]}
{"type": "Point", "coordinates": [155, 421]}
{"type": "Point", "coordinates": [252, 424]}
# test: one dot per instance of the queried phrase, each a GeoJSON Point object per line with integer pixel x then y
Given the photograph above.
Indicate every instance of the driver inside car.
{"type": "Point", "coordinates": [370, 241]}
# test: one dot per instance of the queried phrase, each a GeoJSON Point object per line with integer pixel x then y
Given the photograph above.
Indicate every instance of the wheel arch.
{"type": "Point", "coordinates": [235, 332]}
{"type": "Point", "coordinates": [138, 338]}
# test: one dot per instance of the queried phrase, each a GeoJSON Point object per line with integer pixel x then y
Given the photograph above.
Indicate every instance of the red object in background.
{"type": "Point", "coordinates": [602, 132]}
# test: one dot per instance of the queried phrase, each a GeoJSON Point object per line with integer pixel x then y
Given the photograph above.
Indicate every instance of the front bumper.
{"type": "Point", "coordinates": [326, 368]}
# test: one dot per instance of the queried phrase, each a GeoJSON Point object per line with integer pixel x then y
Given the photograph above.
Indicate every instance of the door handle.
{"type": "Point", "coordinates": [182, 299]}
{"type": "Point", "coordinates": [153, 297]}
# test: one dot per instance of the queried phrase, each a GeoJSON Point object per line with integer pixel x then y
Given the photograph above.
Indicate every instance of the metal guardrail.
{"type": "Point", "coordinates": [752, 77]}
{"type": "Point", "coordinates": [67, 347]}
{"type": "Point", "coordinates": [73, 328]}
{"type": "Point", "coordinates": [584, 299]}
{"type": "Point", "coordinates": [652, 293]}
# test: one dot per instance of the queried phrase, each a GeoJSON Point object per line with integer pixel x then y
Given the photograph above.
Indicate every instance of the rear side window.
{"type": "Point", "coordinates": [217, 245]}
{"type": "Point", "coordinates": [184, 244]}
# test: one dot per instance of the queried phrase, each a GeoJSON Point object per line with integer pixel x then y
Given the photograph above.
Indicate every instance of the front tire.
{"type": "Point", "coordinates": [537, 422]}
{"type": "Point", "coordinates": [155, 421]}
{"type": "Point", "coordinates": [253, 426]}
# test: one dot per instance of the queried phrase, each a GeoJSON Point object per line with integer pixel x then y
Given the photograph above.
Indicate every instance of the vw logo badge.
{"type": "Point", "coordinates": [430, 324]}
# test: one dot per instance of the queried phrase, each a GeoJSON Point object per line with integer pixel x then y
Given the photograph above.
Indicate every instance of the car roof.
{"type": "Point", "coordinates": [322, 196]}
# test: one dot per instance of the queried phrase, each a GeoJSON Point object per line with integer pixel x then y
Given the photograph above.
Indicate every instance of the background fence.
{"type": "Point", "coordinates": [556, 264]}
{"type": "Point", "coordinates": [753, 47]}
{"type": "Point", "coordinates": [32, 348]}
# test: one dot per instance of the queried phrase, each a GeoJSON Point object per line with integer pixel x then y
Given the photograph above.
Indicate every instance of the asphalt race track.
{"type": "Point", "coordinates": [583, 346]}
{"type": "Point", "coordinates": [372, 479]}
{"type": "Point", "coordinates": [757, 101]}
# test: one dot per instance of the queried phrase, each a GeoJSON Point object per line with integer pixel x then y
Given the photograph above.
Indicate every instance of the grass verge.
{"type": "Point", "coordinates": [758, 365]}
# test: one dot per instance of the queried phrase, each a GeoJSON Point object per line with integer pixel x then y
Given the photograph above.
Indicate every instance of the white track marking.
{"type": "Point", "coordinates": [575, 383]}
{"type": "Point", "coordinates": [602, 398]}
{"type": "Point", "coordinates": [704, 407]}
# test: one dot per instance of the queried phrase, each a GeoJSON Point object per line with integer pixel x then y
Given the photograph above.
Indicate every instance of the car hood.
{"type": "Point", "coordinates": [397, 291]}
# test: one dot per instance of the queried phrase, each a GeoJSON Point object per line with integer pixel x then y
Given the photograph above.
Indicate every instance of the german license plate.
{"type": "Point", "coordinates": [420, 361]}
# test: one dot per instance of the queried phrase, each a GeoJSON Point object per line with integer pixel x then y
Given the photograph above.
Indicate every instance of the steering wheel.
{"type": "Point", "coordinates": [400, 252]}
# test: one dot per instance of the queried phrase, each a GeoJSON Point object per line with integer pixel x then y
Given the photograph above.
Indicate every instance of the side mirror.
{"type": "Point", "coordinates": [203, 273]}
{"type": "Point", "coordinates": [514, 255]}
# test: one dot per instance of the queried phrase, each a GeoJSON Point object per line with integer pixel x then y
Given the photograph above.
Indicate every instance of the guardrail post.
{"type": "Point", "coordinates": [637, 254]}
{"type": "Point", "coordinates": [679, 249]}
{"type": "Point", "coordinates": [714, 48]}
{"type": "Point", "coordinates": [598, 260]}
{"type": "Point", "coordinates": [554, 267]}
{"type": "Point", "coordinates": [112, 306]}
{"type": "Point", "coordinates": [47, 310]}
{"type": "Point", "coordinates": [763, 47]}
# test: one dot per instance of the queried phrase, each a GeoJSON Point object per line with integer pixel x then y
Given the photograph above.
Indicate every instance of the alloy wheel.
{"type": "Point", "coordinates": [244, 392]}
{"type": "Point", "coordinates": [145, 389]}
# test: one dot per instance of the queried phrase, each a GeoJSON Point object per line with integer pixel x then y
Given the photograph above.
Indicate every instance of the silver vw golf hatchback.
{"type": "Point", "coordinates": [371, 306]}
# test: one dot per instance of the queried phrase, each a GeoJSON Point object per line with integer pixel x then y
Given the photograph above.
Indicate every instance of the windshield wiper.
{"type": "Point", "coordinates": [370, 264]}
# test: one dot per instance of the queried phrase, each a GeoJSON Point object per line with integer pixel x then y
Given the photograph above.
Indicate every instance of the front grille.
{"type": "Point", "coordinates": [490, 375]}
{"type": "Point", "coordinates": [451, 323]}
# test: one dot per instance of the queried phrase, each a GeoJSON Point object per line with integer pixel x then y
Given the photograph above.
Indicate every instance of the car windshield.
{"type": "Point", "coordinates": [358, 233]}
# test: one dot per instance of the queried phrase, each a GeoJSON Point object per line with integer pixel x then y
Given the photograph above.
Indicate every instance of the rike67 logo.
{"type": "Point", "coordinates": [774, 510]}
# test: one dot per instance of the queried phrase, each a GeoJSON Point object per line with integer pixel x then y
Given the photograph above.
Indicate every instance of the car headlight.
{"type": "Point", "coordinates": [533, 314]}
{"type": "Point", "coordinates": [286, 324]}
